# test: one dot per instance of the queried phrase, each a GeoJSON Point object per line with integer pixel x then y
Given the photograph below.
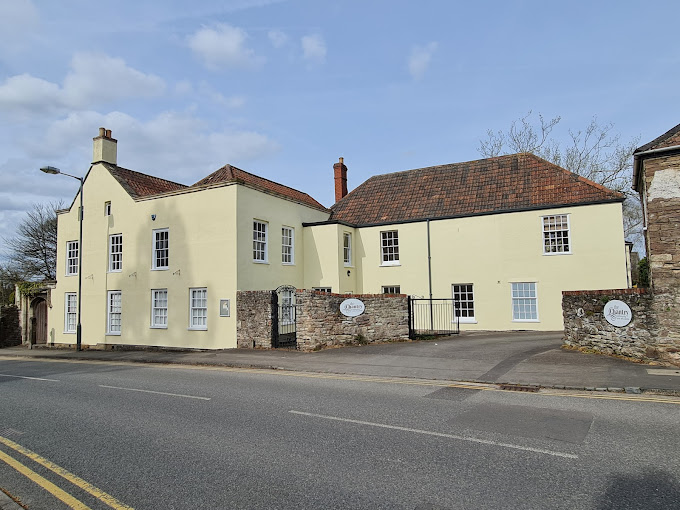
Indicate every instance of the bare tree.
{"type": "Point", "coordinates": [31, 254]}
{"type": "Point", "coordinates": [595, 152]}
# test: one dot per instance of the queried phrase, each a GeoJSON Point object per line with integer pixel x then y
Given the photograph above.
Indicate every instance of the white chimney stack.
{"type": "Point", "coordinates": [105, 148]}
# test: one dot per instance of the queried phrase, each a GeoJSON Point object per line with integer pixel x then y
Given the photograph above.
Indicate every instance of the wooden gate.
{"type": "Point", "coordinates": [39, 322]}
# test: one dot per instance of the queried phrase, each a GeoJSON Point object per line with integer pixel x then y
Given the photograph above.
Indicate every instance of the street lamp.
{"type": "Point", "coordinates": [54, 171]}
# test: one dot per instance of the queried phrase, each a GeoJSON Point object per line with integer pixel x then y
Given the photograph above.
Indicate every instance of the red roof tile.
{"type": "Point", "coordinates": [502, 184]}
{"type": "Point", "coordinates": [139, 185]}
{"type": "Point", "coordinates": [229, 173]}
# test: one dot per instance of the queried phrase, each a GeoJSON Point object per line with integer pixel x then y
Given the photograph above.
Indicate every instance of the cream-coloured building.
{"type": "Point", "coordinates": [162, 262]}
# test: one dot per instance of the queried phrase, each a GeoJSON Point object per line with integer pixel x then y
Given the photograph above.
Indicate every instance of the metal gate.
{"type": "Point", "coordinates": [284, 314]}
{"type": "Point", "coordinates": [428, 317]}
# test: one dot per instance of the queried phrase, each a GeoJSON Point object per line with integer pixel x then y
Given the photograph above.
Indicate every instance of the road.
{"type": "Point", "coordinates": [114, 435]}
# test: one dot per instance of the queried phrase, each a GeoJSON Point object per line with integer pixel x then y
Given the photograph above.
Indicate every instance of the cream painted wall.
{"type": "Point", "coordinates": [324, 259]}
{"type": "Point", "coordinates": [202, 254]}
{"type": "Point", "coordinates": [493, 251]}
{"type": "Point", "coordinates": [277, 213]}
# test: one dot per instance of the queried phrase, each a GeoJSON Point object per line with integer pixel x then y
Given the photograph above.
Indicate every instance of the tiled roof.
{"type": "Point", "coordinates": [506, 183]}
{"type": "Point", "coordinates": [669, 139]}
{"type": "Point", "coordinates": [229, 173]}
{"type": "Point", "coordinates": [139, 185]}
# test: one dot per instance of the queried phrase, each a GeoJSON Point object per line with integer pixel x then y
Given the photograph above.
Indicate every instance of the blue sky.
{"type": "Point", "coordinates": [283, 88]}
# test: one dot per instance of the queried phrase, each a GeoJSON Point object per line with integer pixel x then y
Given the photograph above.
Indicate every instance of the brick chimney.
{"type": "Point", "coordinates": [104, 148]}
{"type": "Point", "coordinates": [340, 171]}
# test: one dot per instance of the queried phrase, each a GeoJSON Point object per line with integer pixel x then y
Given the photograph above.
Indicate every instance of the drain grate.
{"type": "Point", "coordinates": [519, 387]}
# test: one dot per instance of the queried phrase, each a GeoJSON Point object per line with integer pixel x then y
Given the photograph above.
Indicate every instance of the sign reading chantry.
{"type": "Point", "coordinates": [352, 307]}
{"type": "Point", "coordinates": [617, 313]}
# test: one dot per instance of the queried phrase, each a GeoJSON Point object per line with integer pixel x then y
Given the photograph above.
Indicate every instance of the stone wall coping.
{"type": "Point", "coordinates": [629, 292]}
{"type": "Point", "coordinates": [355, 296]}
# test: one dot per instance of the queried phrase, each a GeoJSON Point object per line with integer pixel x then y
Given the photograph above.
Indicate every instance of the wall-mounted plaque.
{"type": "Point", "coordinates": [352, 307]}
{"type": "Point", "coordinates": [617, 313]}
{"type": "Point", "coordinates": [225, 308]}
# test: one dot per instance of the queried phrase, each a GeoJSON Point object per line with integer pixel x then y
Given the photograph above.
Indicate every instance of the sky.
{"type": "Point", "coordinates": [283, 88]}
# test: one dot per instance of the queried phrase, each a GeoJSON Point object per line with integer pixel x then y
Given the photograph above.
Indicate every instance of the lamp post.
{"type": "Point", "coordinates": [56, 171]}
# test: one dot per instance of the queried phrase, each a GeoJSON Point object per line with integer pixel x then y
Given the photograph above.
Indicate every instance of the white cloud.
{"type": "Point", "coordinates": [420, 58]}
{"type": "Point", "coordinates": [223, 47]}
{"type": "Point", "coordinates": [314, 48]}
{"type": "Point", "coordinates": [92, 80]}
{"type": "Point", "coordinates": [277, 38]}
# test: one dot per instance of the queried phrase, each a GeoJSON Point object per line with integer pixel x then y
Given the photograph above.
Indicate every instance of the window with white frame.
{"type": "Point", "coordinates": [71, 258]}
{"type": "Point", "coordinates": [556, 234]}
{"type": "Point", "coordinates": [327, 290]}
{"type": "Point", "coordinates": [391, 289]}
{"type": "Point", "coordinates": [524, 302]}
{"type": "Point", "coordinates": [389, 244]}
{"type": "Point", "coordinates": [70, 307]}
{"type": "Point", "coordinates": [107, 208]}
{"type": "Point", "coordinates": [464, 301]}
{"type": "Point", "coordinates": [198, 308]}
{"type": "Point", "coordinates": [114, 314]}
{"type": "Point", "coordinates": [287, 245]}
{"type": "Point", "coordinates": [259, 241]}
{"type": "Point", "coordinates": [347, 248]}
{"type": "Point", "coordinates": [161, 248]}
{"type": "Point", "coordinates": [159, 308]}
{"type": "Point", "coordinates": [115, 252]}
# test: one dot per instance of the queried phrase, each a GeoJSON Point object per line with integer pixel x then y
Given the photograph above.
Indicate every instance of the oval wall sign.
{"type": "Point", "coordinates": [618, 313]}
{"type": "Point", "coordinates": [352, 307]}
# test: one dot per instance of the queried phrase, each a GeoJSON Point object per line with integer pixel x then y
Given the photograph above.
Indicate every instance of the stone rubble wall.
{"type": "Point", "coordinates": [320, 323]}
{"type": "Point", "coordinates": [585, 325]}
{"type": "Point", "coordinates": [10, 329]}
{"type": "Point", "coordinates": [254, 319]}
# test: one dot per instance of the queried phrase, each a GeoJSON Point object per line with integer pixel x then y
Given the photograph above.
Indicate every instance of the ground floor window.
{"type": "Point", "coordinates": [524, 302]}
{"type": "Point", "coordinates": [159, 308]}
{"type": "Point", "coordinates": [70, 306]}
{"type": "Point", "coordinates": [114, 317]}
{"type": "Point", "coordinates": [391, 289]}
{"type": "Point", "coordinates": [322, 289]}
{"type": "Point", "coordinates": [198, 311]}
{"type": "Point", "coordinates": [464, 301]}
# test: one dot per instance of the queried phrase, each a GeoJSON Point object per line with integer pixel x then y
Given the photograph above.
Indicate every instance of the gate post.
{"type": "Point", "coordinates": [410, 318]}
{"type": "Point", "coordinates": [275, 319]}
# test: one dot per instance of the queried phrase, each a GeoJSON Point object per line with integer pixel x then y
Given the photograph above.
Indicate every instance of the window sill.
{"type": "Point", "coordinates": [552, 254]}
{"type": "Point", "coordinates": [260, 262]}
{"type": "Point", "coordinates": [115, 271]}
{"type": "Point", "coordinates": [110, 333]}
{"type": "Point", "coordinates": [69, 332]}
{"type": "Point", "coordinates": [349, 265]}
{"type": "Point", "coordinates": [71, 274]}
{"type": "Point", "coordinates": [287, 263]}
{"type": "Point", "coordinates": [158, 327]}
{"type": "Point", "coordinates": [467, 320]}
{"type": "Point", "coordinates": [525, 320]}
{"type": "Point", "coordinates": [197, 329]}
{"type": "Point", "coordinates": [390, 264]}
{"type": "Point", "coordinates": [160, 268]}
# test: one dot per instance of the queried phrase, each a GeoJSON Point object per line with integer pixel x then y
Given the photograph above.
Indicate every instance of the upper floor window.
{"type": "Point", "coordinates": [259, 241]}
{"type": "Point", "coordinates": [161, 248]}
{"type": "Point", "coordinates": [556, 234]}
{"type": "Point", "coordinates": [116, 252]}
{"type": "Point", "coordinates": [287, 245]}
{"type": "Point", "coordinates": [524, 302]}
{"type": "Point", "coordinates": [389, 244]}
{"type": "Point", "coordinates": [198, 308]}
{"type": "Point", "coordinates": [71, 258]}
{"type": "Point", "coordinates": [347, 248]}
{"type": "Point", "coordinates": [464, 301]}
{"type": "Point", "coordinates": [107, 208]}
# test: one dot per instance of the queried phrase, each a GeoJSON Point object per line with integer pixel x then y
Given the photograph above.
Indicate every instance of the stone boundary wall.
{"type": "Point", "coordinates": [10, 330]}
{"type": "Point", "coordinates": [320, 323]}
{"type": "Point", "coordinates": [254, 319]}
{"type": "Point", "coordinates": [585, 325]}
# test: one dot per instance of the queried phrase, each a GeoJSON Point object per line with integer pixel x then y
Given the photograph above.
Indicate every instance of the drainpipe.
{"type": "Point", "coordinates": [429, 272]}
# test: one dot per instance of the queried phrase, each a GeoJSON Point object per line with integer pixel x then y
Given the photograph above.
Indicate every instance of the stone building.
{"type": "Point", "coordinates": [654, 332]}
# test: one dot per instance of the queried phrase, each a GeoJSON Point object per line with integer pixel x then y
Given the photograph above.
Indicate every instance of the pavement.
{"type": "Point", "coordinates": [513, 358]}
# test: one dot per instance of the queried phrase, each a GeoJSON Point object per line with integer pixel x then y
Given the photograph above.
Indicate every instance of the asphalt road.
{"type": "Point", "coordinates": [156, 437]}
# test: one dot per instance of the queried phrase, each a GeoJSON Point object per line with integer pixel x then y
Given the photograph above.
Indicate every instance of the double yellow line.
{"type": "Point", "coordinates": [58, 493]}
